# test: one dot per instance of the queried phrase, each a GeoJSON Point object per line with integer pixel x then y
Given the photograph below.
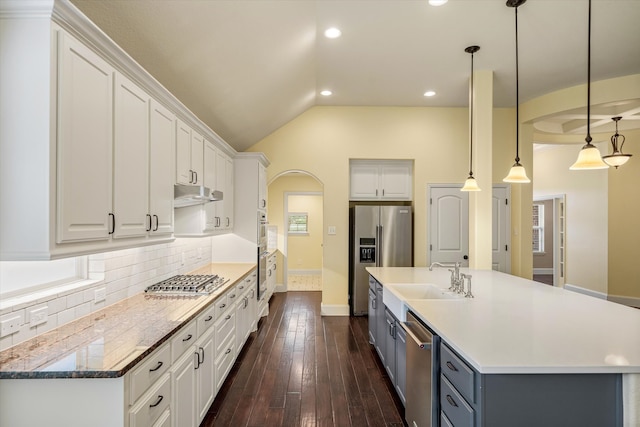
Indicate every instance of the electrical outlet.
{"type": "Point", "coordinates": [100, 295]}
{"type": "Point", "coordinates": [9, 326]}
{"type": "Point", "coordinates": [38, 316]}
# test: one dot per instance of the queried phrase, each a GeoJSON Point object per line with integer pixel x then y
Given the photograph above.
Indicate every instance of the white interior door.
{"type": "Point", "coordinates": [449, 224]}
{"type": "Point", "coordinates": [501, 242]}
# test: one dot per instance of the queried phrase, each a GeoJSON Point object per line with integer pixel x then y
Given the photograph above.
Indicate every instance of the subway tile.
{"type": "Point", "coordinates": [74, 299]}
{"type": "Point", "coordinates": [66, 316]}
{"type": "Point", "coordinates": [82, 310]}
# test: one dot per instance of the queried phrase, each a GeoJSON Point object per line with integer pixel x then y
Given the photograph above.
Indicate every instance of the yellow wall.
{"type": "Point", "coordinates": [277, 187]}
{"type": "Point", "coordinates": [323, 139]}
{"type": "Point", "coordinates": [304, 252]}
{"type": "Point", "coordinates": [624, 228]}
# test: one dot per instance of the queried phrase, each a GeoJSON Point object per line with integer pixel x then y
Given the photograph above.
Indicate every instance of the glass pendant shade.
{"type": "Point", "coordinates": [616, 159]}
{"type": "Point", "coordinates": [470, 185]}
{"type": "Point", "coordinates": [589, 158]}
{"type": "Point", "coordinates": [517, 174]}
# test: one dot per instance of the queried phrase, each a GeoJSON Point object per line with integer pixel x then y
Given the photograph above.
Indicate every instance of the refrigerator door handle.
{"type": "Point", "coordinates": [377, 246]}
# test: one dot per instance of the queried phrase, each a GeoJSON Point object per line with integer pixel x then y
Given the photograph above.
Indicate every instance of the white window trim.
{"type": "Point", "coordinates": [540, 227]}
{"type": "Point", "coordinates": [298, 233]}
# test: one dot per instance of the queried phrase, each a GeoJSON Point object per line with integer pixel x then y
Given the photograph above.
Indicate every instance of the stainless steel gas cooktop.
{"type": "Point", "coordinates": [188, 285]}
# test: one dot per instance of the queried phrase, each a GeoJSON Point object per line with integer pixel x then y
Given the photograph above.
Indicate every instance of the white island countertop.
{"type": "Point", "coordinates": [517, 326]}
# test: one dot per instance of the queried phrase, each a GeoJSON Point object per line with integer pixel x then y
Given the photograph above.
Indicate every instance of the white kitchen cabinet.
{"type": "Point", "coordinates": [205, 374]}
{"type": "Point", "coordinates": [183, 378]}
{"type": "Point", "coordinates": [85, 143]}
{"type": "Point", "coordinates": [161, 168]}
{"type": "Point", "coordinates": [250, 193]}
{"type": "Point", "coordinates": [151, 406]}
{"type": "Point", "coordinates": [381, 180]}
{"type": "Point", "coordinates": [131, 217]}
{"type": "Point", "coordinates": [272, 266]}
{"type": "Point", "coordinates": [229, 195]}
{"type": "Point", "coordinates": [189, 155]}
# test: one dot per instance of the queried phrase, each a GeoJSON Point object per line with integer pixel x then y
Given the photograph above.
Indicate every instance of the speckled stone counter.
{"type": "Point", "coordinates": [111, 341]}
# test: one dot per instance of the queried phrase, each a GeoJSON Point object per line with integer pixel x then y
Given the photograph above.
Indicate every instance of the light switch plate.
{"type": "Point", "coordinates": [332, 230]}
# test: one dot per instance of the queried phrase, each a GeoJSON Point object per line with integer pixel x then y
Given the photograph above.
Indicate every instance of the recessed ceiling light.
{"type": "Point", "coordinates": [429, 93]}
{"type": "Point", "coordinates": [326, 93]}
{"type": "Point", "coordinates": [332, 33]}
{"type": "Point", "coordinates": [437, 2]}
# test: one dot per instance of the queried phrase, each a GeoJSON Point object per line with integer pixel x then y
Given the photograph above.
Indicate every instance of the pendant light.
{"type": "Point", "coordinates": [617, 158]}
{"type": "Point", "coordinates": [589, 156]}
{"type": "Point", "coordinates": [471, 184]}
{"type": "Point", "coordinates": [517, 174]}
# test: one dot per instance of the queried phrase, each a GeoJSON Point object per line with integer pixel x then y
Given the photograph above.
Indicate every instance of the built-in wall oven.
{"type": "Point", "coordinates": [262, 255]}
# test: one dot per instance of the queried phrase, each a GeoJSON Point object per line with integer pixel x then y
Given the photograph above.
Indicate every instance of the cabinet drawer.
{"type": "Point", "coordinates": [458, 372]}
{"type": "Point", "coordinates": [222, 305]}
{"type": "Point", "coordinates": [183, 340]}
{"type": "Point", "coordinates": [243, 286]}
{"type": "Point", "coordinates": [455, 408]}
{"type": "Point", "coordinates": [225, 328]}
{"type": "Point", "coordinates": [206, 319]}
{"type": "Point", "coordinates": [233, 295]}
{"type": "Point", "coordinates": [149, 372]}
{"type": "Point", "coordinates": [153, 404]}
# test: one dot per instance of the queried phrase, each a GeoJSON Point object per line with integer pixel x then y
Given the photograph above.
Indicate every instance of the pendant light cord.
{"type": "Point", "coordinates": [588, 138]}
{"type": "Point", "coordinates": [517, 97]}
{"type": "Point", "coordinates": [471, 124]}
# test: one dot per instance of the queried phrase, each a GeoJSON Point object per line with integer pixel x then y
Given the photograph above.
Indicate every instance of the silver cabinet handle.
{"type": "Point", "coordinates": [451, 401]}
{"type": "Point", "coordinates": [451, 366]}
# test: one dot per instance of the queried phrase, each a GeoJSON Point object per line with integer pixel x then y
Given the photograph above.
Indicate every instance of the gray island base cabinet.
{"type": "Point", "coordinates": [468, 398]}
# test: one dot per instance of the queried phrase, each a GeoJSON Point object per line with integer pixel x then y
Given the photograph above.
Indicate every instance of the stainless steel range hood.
{"type": "Point", "coordinates": [189, 195]}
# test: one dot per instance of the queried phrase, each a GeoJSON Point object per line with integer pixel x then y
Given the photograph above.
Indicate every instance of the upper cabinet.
{"type": "Point", "coordinates": [251, 193]}
{"type": "Point", "coordinates": [97, 137]}
{"type": "Point", "coordinates": [189, 155]}
{"type": "Point", "coordinates": [381, 180]}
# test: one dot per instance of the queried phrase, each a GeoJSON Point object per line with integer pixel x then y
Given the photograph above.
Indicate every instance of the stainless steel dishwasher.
{"type": "Point", "coordinates": [421, 409]}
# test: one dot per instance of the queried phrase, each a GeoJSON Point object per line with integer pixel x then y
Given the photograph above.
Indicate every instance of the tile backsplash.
{"type": "Point", "coordinates": [113, 276]}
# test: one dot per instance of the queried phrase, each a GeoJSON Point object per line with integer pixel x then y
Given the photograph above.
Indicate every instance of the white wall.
{"type": "Point", "coordinates": [586, 212]}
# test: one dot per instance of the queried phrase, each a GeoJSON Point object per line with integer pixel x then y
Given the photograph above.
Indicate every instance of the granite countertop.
{"type": "Point", "coordinates": [517, 326]}
{"type": "Point", "coordinates": [111, 341]}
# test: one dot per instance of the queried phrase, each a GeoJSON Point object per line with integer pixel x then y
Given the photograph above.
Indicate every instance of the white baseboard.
{"type": "Point", "coordinates": [334, 310]}
{"type": "Point", "coordinates": [630, 301]}
{"type": "Point", "coordinates": [280, 287]}
{"type": "Point", "coordinates": [543, 271]}
{"type": "Point", "coordinates": [304, 272]}
{"type": "Point", "coordinates": [585, 291]}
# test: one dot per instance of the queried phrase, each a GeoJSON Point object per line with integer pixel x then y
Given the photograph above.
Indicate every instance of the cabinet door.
{"type": "Point", "coordinates": [262, 187]}
{"type": "Point", "coordinates": [184, 174]}
{"type": "Point", "coordinates": [228, 195]}
{"type": "Point", "coordinates": [161, 168]}
{"type": "Point", "coordinates": [221, 181]}
{"type": "Point", "coordinates": [205, 374]}
{"type": "Point", "coordinates": [131, 160]}
{"type": "Point", "coordinates": [381, 326]}
{"type": "Point", "coordinates": [84, 144]}
{"type": "Point", "coordinates": [197, 157]}
{"type": "Point", "coordinates": [390, 355]}
{"type": "Point", "coordinates": [241, 321]}
{"type": "Point", "coordinates": [210, 209]}
{"type": "Point", "coordinates": [364, 181]}
{"type": "Point", "coordinates": [395, 181]}
{"type": "Point", "coordinates": [183, 390]}
{"type": "Point", "coordinates": [373, 302]}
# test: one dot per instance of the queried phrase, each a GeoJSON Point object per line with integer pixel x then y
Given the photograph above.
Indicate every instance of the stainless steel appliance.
{"type": "Point", "coordinates": [421, 409]}
{"type": "Point", "coordinates": [379, 236]}
{"type": "Point", "coordinates": [262, 255]}
{"type": "Point", "coordinates": [197, 284]}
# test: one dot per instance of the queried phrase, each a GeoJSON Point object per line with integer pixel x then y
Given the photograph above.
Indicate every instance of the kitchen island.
{"type": "Point", "coordinates": [515, 326]}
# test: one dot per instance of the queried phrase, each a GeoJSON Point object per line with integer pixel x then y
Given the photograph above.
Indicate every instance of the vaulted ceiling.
{"type": "Point", "coordinates": [247, 67]}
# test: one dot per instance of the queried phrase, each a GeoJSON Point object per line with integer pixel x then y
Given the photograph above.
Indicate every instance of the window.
{"type": "Point", "coordinates": [538, 228]}
{"type": "Point", "coordinates": [23, 277]}
{"type": "Point", "coordinates": [298, 223]}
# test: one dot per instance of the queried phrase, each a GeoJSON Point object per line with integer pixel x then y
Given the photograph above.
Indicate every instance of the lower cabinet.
{"type": "Point", "coordinates": [388, 338]}
{"type": "Point", "coordinates": [183, 376]}
{"type": "Point", "coordinates": [205, 374]}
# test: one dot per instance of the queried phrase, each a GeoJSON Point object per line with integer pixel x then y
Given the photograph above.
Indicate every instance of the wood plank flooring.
{"type": "Point", "coordinates": [302, 369]}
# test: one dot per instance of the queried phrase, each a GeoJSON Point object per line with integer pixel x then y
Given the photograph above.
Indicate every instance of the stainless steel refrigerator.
{"type": "Point", "coordinates": [379, 236]}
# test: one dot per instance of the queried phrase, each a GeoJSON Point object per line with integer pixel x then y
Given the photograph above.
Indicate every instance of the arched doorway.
{"type": "Point", "coordinates": [295, 207]}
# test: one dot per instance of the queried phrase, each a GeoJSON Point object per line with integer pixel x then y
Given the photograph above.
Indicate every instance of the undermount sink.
{"type": "Point", "coordinates": [394, 296]}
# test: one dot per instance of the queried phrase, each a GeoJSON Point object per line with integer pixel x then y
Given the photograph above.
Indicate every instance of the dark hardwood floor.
{"type": "Point", "coordinates": [302, 369]}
